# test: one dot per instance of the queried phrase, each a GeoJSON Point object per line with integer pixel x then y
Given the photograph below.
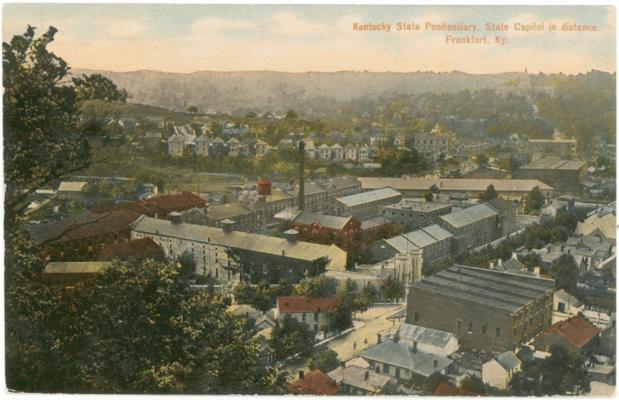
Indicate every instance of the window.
{"type": "Point", "coordinates": [562, 307]}
{"type": "Point", "coordinates": [316, 315]}
{"type": "Point", "coordinates": [416, 316]}
{"type": "Point", "coordinates": [498, 332]}
{"type": "Point", "coordinates": [483, 329]}
{"type": "Point", "coordinates": [470, 327]}
{"type": "Point", "coordinates": [397, 372]}
{"type": "Point", "coordinates": [385, 369]}
{"type": "Point", "coordinates": [303, 317]}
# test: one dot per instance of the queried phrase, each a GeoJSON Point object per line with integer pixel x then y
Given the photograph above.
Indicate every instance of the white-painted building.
{"type": "Point", "coordinates": [498, 372]}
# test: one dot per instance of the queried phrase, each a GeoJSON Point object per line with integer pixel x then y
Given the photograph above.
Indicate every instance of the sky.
{"type": "Point", "coordinates": [189, 38]}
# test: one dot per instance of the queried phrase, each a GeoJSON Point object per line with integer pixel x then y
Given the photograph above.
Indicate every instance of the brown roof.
{"type": "Point", "coordinates": [134, 249]}
{"type": "Point", "coordinates": [177, 201]}
{"type": "Point", "coordinates": [576, 330]}
{"type": "Point", "coordinates": [443, 389]}
{"type": "Point", "coordinates": [315, 382]}
{"type": "Point", "coordinates": [142, 207]}
{"type": "Point", "coordinates": [295, 304]}
{"type": "Point", "coordinates": [88, 226]}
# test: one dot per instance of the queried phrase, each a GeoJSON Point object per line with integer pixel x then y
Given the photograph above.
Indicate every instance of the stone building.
{"type": "Point", "coordinates": [366, 204]}
{"type": "Point", "coordinates": [430, 146]}
{"type": "Point", "coordinates": [565, 175]}
{"type": "Point", "coordinates": [472, 227]}
{"type": "Point", "coordinates": [434, 242]}
{"type": "Point", "coordinates": [230, 255]}
{"type": "Point", "coordinates": [487, 309]}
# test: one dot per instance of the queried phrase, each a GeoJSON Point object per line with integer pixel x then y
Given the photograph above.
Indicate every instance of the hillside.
{"type": "Point", "coordinates": [278, 91]}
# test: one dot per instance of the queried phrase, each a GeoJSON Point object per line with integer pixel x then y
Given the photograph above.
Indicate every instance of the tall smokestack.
{"type": "Point", "coordinates": [301, 175]}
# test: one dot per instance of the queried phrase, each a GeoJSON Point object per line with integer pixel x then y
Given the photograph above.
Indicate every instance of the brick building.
{"type": "Point", "coordinates": [328, 229]}
{"type": "Point", "coordinates": [564, 175]}
{"type": "Point", "coordinates": [487, 309]}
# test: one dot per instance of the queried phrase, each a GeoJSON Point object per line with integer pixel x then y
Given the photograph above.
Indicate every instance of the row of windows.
{"type": "Point", "coordinates": [483, 331]}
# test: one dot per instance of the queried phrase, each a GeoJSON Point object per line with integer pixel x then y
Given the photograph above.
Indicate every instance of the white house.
{"type": "Point", "coordinates": [311, 311]}
{"type": "Point", "coordinates": [363, 153]}
{"type": "Point", "coordinates": [499, 371]}
{"type": "Point", "coordinates": [350, 152]}
{"type": "Point", "coordinates": [176, 145]}
{"type": "Point", "coordinates": [428, 340]}
{"type": "Point", "coordinates": [261, 148]}
{"type": "Point", "coordinates": [565, 306]}
{"type": "Point", "coordinates": [202, 144]}
{"type": "Point", "coordinates": [233, 147]}
{"type": "Point", "coordinates": [324, 152]}
{"type": "Point", "coordinates": [337, 152]}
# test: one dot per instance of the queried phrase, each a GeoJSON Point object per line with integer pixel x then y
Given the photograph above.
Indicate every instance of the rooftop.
{"type": "Point", "coordinates": [508, 360]}
{"type": "Point", "coordinates": [368, 197]}
{"type": "Point", "coordinates": [422, 335]}
{"type": "Point", "coordinates": [464, 185]}
{"type": "Point", "coordinates": [576, 330]}
{"type": "Point", "coordinates": [402, 355]}
{"type": "Point", "coordinates": [554, 163]}
{"type": "Point", "coordinates": [300, 304]}
{"type": "Point", "coordinates": [137, 248]}
{"type": "Point", "coordinates": [419, 238]}
{"type": "Point", "coordinates": [469, 215]}
{"type": "Point", "coordinates": [314, 382]}
{"type": "Point", "coordinates": [420, 206]}
{"type": "Point", "coordinates": [606, 225]}
{"type": "Point", "coordinates": [173, 202]}
{"type": "Point", "coordinates": [359, 377]}
{"type": "Point", "coordinates": [228, 210]}
{"type": "Point", "coordinates": [496, 289]}
{"type": "Point", "coordinates": [327, 221]}
{"type": "Point", "coordinates": [374, 222]}
{"type": "Point", "coordinates": [71, 186]}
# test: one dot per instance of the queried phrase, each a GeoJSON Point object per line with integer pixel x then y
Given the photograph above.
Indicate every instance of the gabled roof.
{"type": "Point", "coordinates": [568, 298]}
{"type": "Point", "coordinates": [402, 355]}
{"type": "Point", "coordinates": [508, 361]}
{"type": "Point", "coordinates": [300, 304]}
{"type": "Point", "coordinates": [327, 221]}
{"type": "Point", "coordinates": [410, 333]}
{"type": "Point", "coordinates": [367, 197]}
{"type": "Point", "coordinates": [315, 382]}
{"type": "Point", "coordinates": [576, 330]}
{"type": "Point", "coordinates": [469, 215]}
{"type": "Point", "coordinates": [353, 375]}
{"type": "Point", "coordinates": [606, 225]}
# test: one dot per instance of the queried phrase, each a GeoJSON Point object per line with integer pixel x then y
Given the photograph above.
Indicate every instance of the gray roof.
{"type": "Point", "coordinates": [239, 240]}
{"type": "Point", "coordinates": [496, 289]}
{"type": "Point", "coordinates": [402, 355]}
{"type": "Point", "coordinates": [374, 222]}
{"type": "Point", "coordinates": [513, 265]}
{"type": "Point", "coordinates": [228, 210]}
{"type": "Point", "coordinates": [368, 197]}
{"type": "Point", "coordinates": [328, 221]}
{"type": "Point", "coordinates": [554, 163]}
{"type": "Point", "coordinates": [508, 360]}
{"type": "Point", "coordinates": [419, 238]}
{"type": "Point", "coordinates": [419, 206]}
{"type": "Point", "coordinates": [353, 375]}
{"type": "Point", "coordinates": [341, 182]}
{"type": "Point", "coordinates": [423, 335]}
{"type": "Point", "coordinates": [469, 215]}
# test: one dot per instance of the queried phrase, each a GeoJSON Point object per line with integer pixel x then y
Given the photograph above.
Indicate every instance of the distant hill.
{"type": "Point", "coordinates": [279, 91]}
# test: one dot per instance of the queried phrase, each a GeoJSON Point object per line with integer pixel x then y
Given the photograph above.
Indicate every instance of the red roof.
{"type": "Point", "coordinates": [297, 304]}
{"type": "Point", "coordinates": [92, 226]}
{"type": "Point", "coordinates": [576, 330]}
{"type": "Point", "coordinates": [180, 201]}
{"type": "Point", "coordinates": [264, 181]}
{"type": "Point", "coordinates": [133, 249]}
{"type": "Point", "coordinates": [444, 389]}
{"type": "Point", "coordinates": [315, 382]}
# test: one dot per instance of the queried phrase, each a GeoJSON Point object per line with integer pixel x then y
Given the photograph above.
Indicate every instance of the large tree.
{"type": "Point", "coordinates": [98, 87]}
{"type": "Point", "coordinates": [42, 138]}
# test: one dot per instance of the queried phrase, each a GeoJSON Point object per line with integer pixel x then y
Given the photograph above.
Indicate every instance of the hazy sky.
{"type": "Point", "coordinates": [187, 38]}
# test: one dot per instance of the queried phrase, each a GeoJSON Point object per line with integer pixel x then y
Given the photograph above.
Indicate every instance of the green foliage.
{"type": "Point", "coordinates": [325, 360]}
{"type": "Point", "coordinates": [40, 118]}
{"type": "Point", "coordinates": [560, 374]}
{"type": "Point", "coordinates": [262, 297]}
{"type": "Point", "coordinates": [291, 337]}
{"type": "Point", "coordinates": [396, 162]}
{"type": "Point", "coordinates": [316, 286]}
{"type": "Point", "coordinates": [481, 159]}
{"type": "Point", "coordinates": [565, 273]}
{"type": "Point", "coordinates": [473, 384]}
{"type": "Point", "coordinates": [291, 115]}
{"type": "Point", "coordinates": [98, 87]}
{"type": "Point", "coordinates": [133, 329]}
{"type": "Point", "coordinates": [340, 317]}
{"type": "Point", "coordinates": [192, 109]}
{"type": "Point", "coordinates": [391, 289]}
{"type": "Point", "coordinates": [489, 194]}
{"type": "Point", "coordinates": [429, 384]}
{"type": "Point", "coordinates": [534, 200]}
